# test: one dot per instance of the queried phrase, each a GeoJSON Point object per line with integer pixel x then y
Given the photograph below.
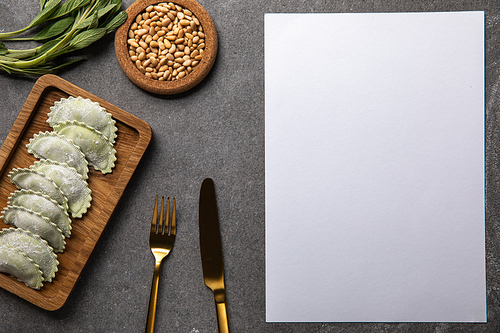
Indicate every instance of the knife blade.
{"type": "Point", "coordinates": [211, 251]}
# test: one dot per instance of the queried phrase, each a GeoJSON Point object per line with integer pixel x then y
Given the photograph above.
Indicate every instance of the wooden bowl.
{"type": "Point", "coordinates": [167, 87]}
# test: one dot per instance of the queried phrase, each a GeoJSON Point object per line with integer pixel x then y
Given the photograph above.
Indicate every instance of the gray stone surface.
{"type": "Point", "coordinates": [216, 130]}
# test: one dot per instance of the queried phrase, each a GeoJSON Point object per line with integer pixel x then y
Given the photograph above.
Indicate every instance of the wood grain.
{"type": "Point", "coordinates": [133, 138]}
{"type": "Point", "coordinates": [167, 87]}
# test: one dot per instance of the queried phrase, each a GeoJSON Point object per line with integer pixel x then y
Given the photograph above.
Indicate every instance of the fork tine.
{"type": "Point", "coordinates": [167, 219]}
{"type": "Point", "coordinates": [161, 227]}
{"type": "Point", "coordinates": [155, 214]}
{"type": "Point", "coordinates": [172, 226]}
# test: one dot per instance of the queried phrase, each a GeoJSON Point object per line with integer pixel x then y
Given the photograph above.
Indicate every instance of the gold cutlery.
{"type": "Point", "coordinates": [161, 242]}
{"type": "Point", "coordinates": [211, 251]}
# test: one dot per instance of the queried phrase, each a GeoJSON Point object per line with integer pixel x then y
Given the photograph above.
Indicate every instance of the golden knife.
{"type": "Point", "coordinates": [211, 251]}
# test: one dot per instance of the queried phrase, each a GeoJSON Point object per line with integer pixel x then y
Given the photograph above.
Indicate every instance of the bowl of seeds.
{"type": "Point", "coordinates": [166, 47]}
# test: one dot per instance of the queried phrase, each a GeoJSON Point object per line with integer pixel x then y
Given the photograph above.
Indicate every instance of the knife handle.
{"type": "Point", "coordinates": [222, 321]}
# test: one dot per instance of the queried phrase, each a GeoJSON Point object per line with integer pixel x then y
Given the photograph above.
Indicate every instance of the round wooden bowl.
{"type": "Point", "coordinates": [167, 87]}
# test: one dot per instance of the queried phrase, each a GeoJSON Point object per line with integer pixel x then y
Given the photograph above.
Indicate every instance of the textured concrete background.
{"type": "Point", "coordinates": [216, 130]}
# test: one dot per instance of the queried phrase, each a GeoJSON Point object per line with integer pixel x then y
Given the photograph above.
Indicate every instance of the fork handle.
{"type": "Point", "coordinates": [150, 326]}
{"type": "Point", "coordinates": [222, 321]}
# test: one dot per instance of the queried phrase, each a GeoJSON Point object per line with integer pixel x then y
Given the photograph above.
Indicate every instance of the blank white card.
{"type": "Point", "coordinates": [375, 167]}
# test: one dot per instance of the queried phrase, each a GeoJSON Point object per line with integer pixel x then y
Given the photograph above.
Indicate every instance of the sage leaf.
{"type": "Point", "coordinates": [106, 9]}
{"type": "Point", "coordinates": [5, 68]}
{"type": "Point", "coordinates": [44, 15]}
{"type": "Point", "coordinates": [69, 6]}
{"type": "Point", "coordinates": [100, 13]}
{"type": "Point", "coordinates": [101, 4]}
{"type": "Point", "coordinates": [7, 58]}
{"type": "Point", "coordinates": [117, 21]}
{"type": "Point", "coordinates": [47, 46]}
{"type": "Point", "coordinates": [95, 21]}
{"type": "Point", "coordinates": [21, 54]}
{"type": "Point", "coordinates": [54, 29]}
{"type": "Point", "coordinates": [118, 4]}
{"type": "Point", "coordinates": [3, 49]}
{"type": "Point", "coordinates": [85, 38]}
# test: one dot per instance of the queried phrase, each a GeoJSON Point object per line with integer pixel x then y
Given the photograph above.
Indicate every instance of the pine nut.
{"type": "Point", "coordinates": [166, 22]}
{"type": "Point", "coordinates": [141, 32]}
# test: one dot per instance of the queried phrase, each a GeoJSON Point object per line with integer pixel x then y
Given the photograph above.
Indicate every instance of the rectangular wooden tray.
{"type": "Point", "coordinates": [133, 138]}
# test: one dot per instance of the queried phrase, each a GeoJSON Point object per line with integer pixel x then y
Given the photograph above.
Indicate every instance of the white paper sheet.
{"type": "Point", "coordinates": [375, 167]}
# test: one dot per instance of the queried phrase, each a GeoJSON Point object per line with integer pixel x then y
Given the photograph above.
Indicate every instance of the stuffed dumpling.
{"type": "Point", "coordinates": [85, 111]}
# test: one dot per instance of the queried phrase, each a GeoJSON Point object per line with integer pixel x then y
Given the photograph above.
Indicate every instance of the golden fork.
{"type": "Point", "coordinates": [161, 241]}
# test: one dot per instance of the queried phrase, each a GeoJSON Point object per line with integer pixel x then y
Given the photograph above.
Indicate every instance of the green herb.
{"type": "Point", "coordinates": [70, 26]}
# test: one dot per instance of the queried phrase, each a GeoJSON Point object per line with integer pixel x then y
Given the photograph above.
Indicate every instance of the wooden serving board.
{"type": "Point", "coordinates": [133, 138]}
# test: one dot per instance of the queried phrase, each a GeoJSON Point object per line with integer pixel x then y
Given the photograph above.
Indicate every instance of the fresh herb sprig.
{"type": "Point", "coordinates": [70, 26]}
